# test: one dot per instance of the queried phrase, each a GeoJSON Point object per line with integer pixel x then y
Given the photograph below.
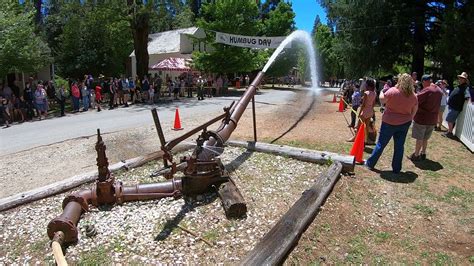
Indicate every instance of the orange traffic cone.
{"type": "Point", "coordinates": [334, 98]}
{"type": "Point", "coordinates": [358, 147]}
{"type": "Point", "coordinates": [177, 122]}
{"type": "Point", "coordinates": [341, 106]}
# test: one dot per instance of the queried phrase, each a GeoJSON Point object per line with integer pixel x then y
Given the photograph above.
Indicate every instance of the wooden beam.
{"type": "Point", "coordinates": [306, 155]}
{"type": "Point", "coordinates": [277, 244]}
{"type": "Point", "coordinates": [232, 200]}
{"type": "Point", "coordinates": [77, 180]}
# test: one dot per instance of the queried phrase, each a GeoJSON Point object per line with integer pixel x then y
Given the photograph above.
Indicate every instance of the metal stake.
{"type": "Point", "coordinates": [160, 132]}
{"type": "Point", "coordinates": [254, 120]}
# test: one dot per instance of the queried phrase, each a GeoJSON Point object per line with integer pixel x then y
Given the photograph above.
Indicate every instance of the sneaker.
{"type": "Point", "coordinates": [414, 158]}
{"type": "Point", "coordinates": [422, 156]}
{"type": "Point", "coordinates": [367, 166]}
{"type": "Point", "coordinates": [449, 135]}
{"type": "Point", "coordinates": [437, 128]}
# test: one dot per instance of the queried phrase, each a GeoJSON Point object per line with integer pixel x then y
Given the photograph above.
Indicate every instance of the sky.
{"type": "Point", "coordinates": [306, 11]}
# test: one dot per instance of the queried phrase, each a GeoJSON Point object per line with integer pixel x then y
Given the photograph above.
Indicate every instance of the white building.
{"type": "Point", "coordinates": [176, 43]}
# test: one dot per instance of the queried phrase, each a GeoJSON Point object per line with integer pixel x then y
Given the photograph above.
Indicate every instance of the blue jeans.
{"type": "Point", "coordinates": [75, 103]}
{"type": "Point", "coordinates": [85, 103]}
{"type": "Point", "coordinates": [399, 134]}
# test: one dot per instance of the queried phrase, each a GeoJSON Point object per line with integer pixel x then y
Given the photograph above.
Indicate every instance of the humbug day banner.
{"type": "Point", "coordinates": [248, 41]}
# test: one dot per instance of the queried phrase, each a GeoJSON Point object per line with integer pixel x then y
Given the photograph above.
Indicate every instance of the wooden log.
{"type": "Point", "coordinates": [77, 180]}
{"type": "Point", "coordinates": [306, 155]}
{"type": "Point", "coordinates": [232, 200]}
{"type": "Point", "coordinates": [278, 243]}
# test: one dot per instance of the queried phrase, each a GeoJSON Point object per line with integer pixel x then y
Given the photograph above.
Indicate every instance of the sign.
{"type": "Point", "coordinates": [249, 41]}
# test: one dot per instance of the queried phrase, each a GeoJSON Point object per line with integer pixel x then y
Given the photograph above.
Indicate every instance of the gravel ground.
{"type": "Point", "coordinates": [147, 232]}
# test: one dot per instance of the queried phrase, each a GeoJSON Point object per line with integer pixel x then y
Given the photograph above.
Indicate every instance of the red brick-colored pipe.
{"type": "Point", "coordinates": [76, 204]}
{"type": "Point", "coordinates": [106, 192]}
{"type": "Point", "coordinates": [227, 127]}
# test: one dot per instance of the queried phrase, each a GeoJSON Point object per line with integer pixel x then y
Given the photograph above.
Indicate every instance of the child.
{"type": "Point", "coordinates": [151, 92]}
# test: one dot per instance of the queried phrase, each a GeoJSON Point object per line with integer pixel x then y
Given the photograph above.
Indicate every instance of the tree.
{"type": "Point", "coordinates": [370, 38]}
{"type": "Point", "coordinates": [231, 16]}
{"type": "Point", "coordinates": [317, 22]}
{"type": "Point", "coordinates": [91, 38]}
{"type": "Point", "coordinates": [21, 49]}
{"type": "Point", "coordinates": [195, 6]}
{"type": "Point", "coordinates": [280, 22]}
{"type": "Point", "coordinates": [329, 62]}
{"type": "Point", "coordinates": [378, 37]}
{"type": "Point", "coordinates": [267, 7]}
{"type": "Point", "coordinates": [139, 17]}
{"type": "Point", "coordinates": [184, 18]}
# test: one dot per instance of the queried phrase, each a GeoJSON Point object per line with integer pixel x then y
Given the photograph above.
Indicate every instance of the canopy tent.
{"type": "Point", "coordinates": [172, 64]}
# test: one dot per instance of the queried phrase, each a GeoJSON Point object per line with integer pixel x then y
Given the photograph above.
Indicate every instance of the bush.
{"type": "Point", "coordinates": [59, 81]}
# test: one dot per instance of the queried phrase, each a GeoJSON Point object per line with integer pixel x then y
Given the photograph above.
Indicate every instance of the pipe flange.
{"type": "Point", "coordinates": [217, 137]}
{"type": "Point", "coordinates": [118, 189]}
{"type": "Point", "coordinates": [66, 226]}
{"type": "Point", "coordinates": [78, 199]}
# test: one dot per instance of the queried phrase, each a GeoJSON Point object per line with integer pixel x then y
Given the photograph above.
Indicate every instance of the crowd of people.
{"type": "Point", "coordinates": [90, 93]}
{"type": "Point", "coordinates": [405, 102]}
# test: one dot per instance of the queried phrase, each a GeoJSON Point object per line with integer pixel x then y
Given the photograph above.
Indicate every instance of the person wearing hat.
{"type": "Point", "coordinates": [456, 102]}
{"type": "Point", "coordinates": [200, 87]}
{"type": "Point", "coordinates": [426, 117]}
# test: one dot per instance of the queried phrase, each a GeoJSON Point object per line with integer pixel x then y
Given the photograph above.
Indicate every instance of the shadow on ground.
{"type": "Point", "coordinates": [187, 207]}
{"type": "Point", "coordinates": [305, 113]}
{"type": "Point", "coordinates": [428, 165]}
{"type": "Point", "coordinates": [402, 177]}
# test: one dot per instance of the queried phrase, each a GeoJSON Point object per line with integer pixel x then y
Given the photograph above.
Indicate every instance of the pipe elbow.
{"type": "Point", "coordinates": [73, 206]}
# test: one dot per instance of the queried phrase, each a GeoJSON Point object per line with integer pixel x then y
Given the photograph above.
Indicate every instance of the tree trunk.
{"type": "Point", "coordinates": [38, 4]}
{"type": "Point", "coordinates": [140, 23]}
{"type": "Point", "coordinates": [419, 38]}
{"type": "Point", "coordinates": [448, 62]}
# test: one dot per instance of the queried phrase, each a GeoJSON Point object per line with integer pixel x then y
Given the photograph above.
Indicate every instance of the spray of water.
{"type": "Point", "coordinates": [305, 38]}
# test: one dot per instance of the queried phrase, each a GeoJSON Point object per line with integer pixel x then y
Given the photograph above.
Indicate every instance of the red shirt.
{"type": "Point", "coordinates": [75, 91]}
{"type": "Point", "coordinates": [429, 101]}
{"type": "Point", "coordinates": [398, 107]}
{"type": "Point", "coordinates": [98, 95]}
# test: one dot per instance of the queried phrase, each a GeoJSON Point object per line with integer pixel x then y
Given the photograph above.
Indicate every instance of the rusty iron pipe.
{"type": "Point", "coordinates": [77, 203]}
{"type": "Point", "coordinates": [153, 191]}
{"type": "Point", "coordinates": [225, 129]}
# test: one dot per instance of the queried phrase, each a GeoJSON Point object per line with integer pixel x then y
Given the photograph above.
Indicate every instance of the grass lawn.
{"type": "Point", "coordinates": [423, 216]}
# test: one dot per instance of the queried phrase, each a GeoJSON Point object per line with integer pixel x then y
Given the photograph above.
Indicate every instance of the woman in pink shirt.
{"type": "Point", "coordinates": [400, 108]}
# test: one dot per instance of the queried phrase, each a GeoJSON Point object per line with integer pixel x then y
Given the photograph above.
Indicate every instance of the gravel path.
{"type": "Point", "coordinates": [147, 232]}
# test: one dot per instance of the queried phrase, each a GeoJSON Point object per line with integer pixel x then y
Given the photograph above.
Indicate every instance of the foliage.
{"type": "Point", "coordinates": [21, 49]}
{"type": "Point", "coordinates": [374, 37]}
{"type": "Point", "coordinates": [324, 44]}
{"type": "Point", "coordinates": [89, 38]}
{"type": "Point", "coordinates": [232, 16]}
{"type": "Point", "coordinates": [243, 17]}
{"type": "Point", "coordinates": [173, 14]}
{"type": "Point", "coordinates": [184, 19]}
{"type": "Point", "coordinates": [59, 81]}
{"type": "Point", "coordinates": [280, 22]}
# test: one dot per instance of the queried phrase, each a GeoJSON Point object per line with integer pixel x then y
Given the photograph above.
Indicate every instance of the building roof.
{"type": "Point", "coordinates": [167, 41]}
{"type": "Point", "coordinates": [173, 64]}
